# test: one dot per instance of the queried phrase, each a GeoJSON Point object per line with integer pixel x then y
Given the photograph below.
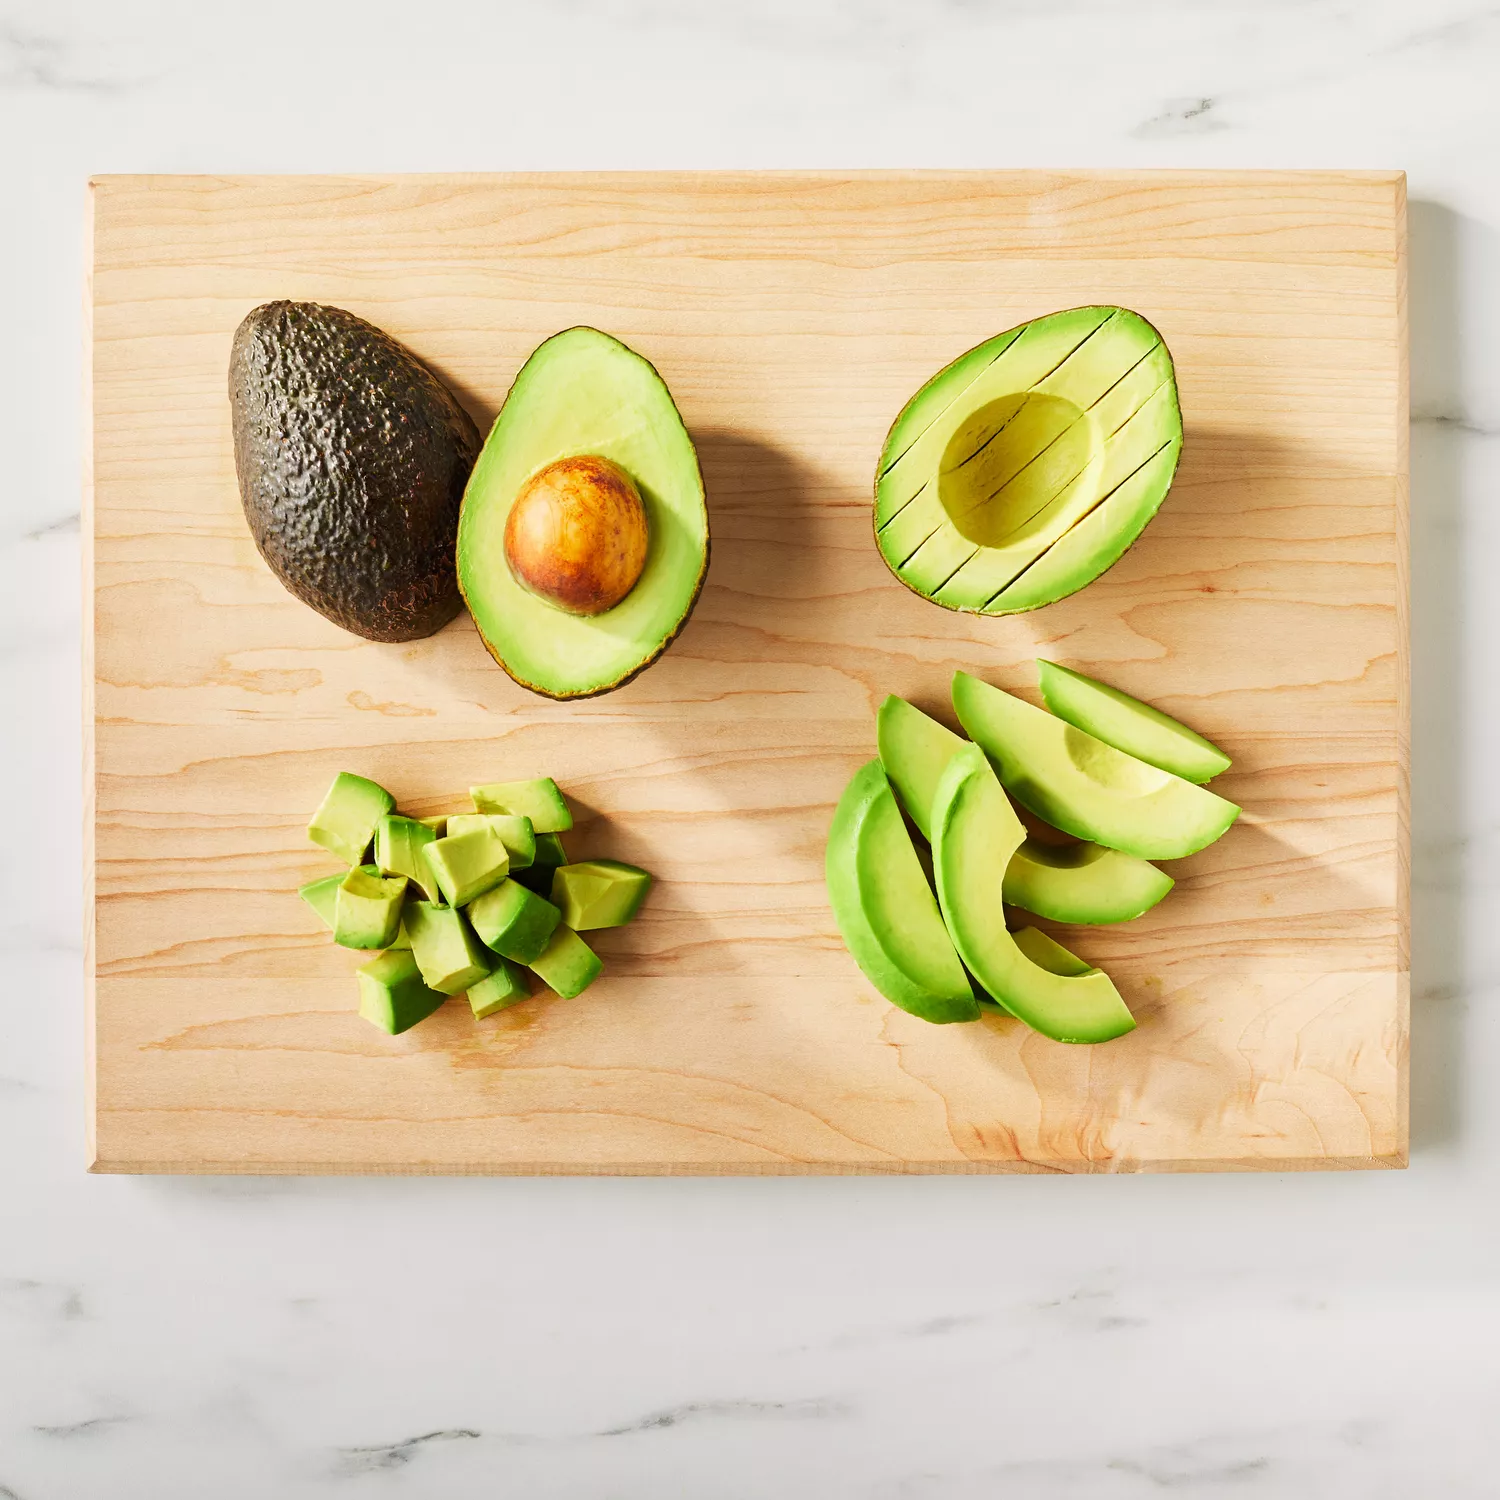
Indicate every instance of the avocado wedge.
{"type": "Point", "coordinates": [1083, 786]}
{"type": "Point", "coordinates": [352, 458]}
{"type": "Point", "coordinates": [885, 908]}
{"type": "Point", "coordinates": [582, 394]}
{"type": "Point", "coordinates": [976, 831]}
{"type": "Point", "coordinates": [1002, 455]}
{"type": "Point", "coordinates": [914, 750]}
{"type": "Point", "coordinates": [1129, 725]}
{"type": "Point", "coordinates": [1082, 883]}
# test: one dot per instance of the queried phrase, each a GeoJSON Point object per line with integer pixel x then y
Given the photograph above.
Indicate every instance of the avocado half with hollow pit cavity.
{"type": "Point", "coordinates": [570, 600]}
{"type": "Point", "coordinates": [1029, 465]}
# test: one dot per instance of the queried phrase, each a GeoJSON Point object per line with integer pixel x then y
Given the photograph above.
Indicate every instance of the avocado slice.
{"type": "Point", "coordinates": [885, 908]}
{"type": "Point", "coordinates": [1083, 786]}
{"type": "Point", "coordinates": [514, 832]}
{"type": "Point", "coordinates": [352, 459]}
{"type": "Point", "coordinates": [997, 459]}
{"type": "Point", "coordinates": [549, 855]}
{"type": "Point", "coordinates": [914, 749]}
{"type": "Point", "coordinates": [1129, 725]}
{"type": "Point", "coordinates": [346, 818]}
{"type": "Point", "coordinates": [367, 909]}
{"type": "Point", "coordinates": [502, 987]}
{"type": "Point", "coordinates": [567, 964]}
{"type": "Point", "coordinates": [392, 994]}
{"type": "Point", "coordinates": [466, 865]}
{"type": "Point", "coordinates": [399, 843]}
{"type": "Point", "coordinates": [1046, 953]}
{"type": "Point", "coordinates": [513, 921]}
{"type": "Point", "coordinates": [541, 800]}
{"type": "Point", "coordinates": [584, 393]}
{"type": "Point", "coordinates": [599, 893]}
{"type": "Point", "coordinates": [450, 957]}
{"type": "Point", "coordinates": [976, 831]}
{"type": "Point", "coordinates": [1082, 883]}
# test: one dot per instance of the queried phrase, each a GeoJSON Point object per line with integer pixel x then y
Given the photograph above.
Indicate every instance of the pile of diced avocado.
{"type": "Point", "coordinates": [463, 904]}
{"type": "Point", "coordinates": [1121, 778]}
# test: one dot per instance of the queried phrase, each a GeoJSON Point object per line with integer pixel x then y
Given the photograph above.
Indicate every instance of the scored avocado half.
{"type": "Point", "coordinates": [1025, 468]}
{"type": "Point", "coordinates": [583, 538]}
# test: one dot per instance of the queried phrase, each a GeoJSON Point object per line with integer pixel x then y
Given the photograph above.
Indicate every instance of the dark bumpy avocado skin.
{"type": "Point", "coordinates": [352, 459]}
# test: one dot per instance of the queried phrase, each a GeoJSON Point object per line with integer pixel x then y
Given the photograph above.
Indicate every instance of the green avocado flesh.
{"type": "Point", "coordinates": [346, 819]}
{"type": "Point", "coordinates": [583, 392]}
{"type": "Point", "coordinates": [502, 987]}
{"type": "Point", "coordinates": [515, 833]}
{"type": "Point", "coordinates": [450, 957]}
{"type": "Point", "coordinates": [352, 458]}
{"type": "Point", "coordinates": [1001, 457]}
{"type": "Point", "coordinates": [537, 876]}
{"type": "Point", "coordinates": [399, 843]}
{"type": "Point", "coordinates": [513, 921]}
{"type": "Point", "coordinates": [466, 865]}
{"type": "Point", "coordinates": [1083, 786]}
{"type": "Point", "coordinates": [976, 831]}
{"type": "Point", "coordinates": [539, 800]}
{"type": "Point", "coordinates": [367, 909]}
{"type": "Point", "coordinates": [598, 893]}
{"type": "Point", "coordinates": [392, 994]}
{"type": "Point", "coordinates": [914, 750]}
{"type": "Point", "coordinates": [885, 908]}
{"type": "Point", "coordinates": [1129, 725]}
{"type": "Point", "coordinates": [1047, 954]}
{"type": "Point", "coordinates": [1082, 883]}
{"type": "Point", "coordinates": [322, 895]}
{"type": "Point", "coordinates": [567, 964]}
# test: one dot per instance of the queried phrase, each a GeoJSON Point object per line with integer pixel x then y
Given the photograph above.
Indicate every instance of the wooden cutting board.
{"type": "Point", "coordinates": [792, 316]}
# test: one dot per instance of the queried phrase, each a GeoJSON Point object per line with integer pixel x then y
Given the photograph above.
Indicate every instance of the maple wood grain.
{"type": "Point", "coordinates": [792, 315]}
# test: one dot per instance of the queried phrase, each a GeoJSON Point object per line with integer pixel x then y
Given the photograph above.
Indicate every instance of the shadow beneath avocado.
{"type": "Point", "coordinates": [769, 519]}
{"type": "Point", "coordinates": [482, 409]}
{"type": "Point", "coordinates": [1441, 243]}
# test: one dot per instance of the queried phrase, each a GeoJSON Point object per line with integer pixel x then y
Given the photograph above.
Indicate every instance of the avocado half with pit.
{"type": "Point", "coordinates": [1029, 465]}
{"type": "Point", "coordinates": [583, 536]}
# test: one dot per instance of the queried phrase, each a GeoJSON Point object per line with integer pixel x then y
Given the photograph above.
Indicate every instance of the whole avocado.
{"type": "Point", "coordinates": [352, 459]}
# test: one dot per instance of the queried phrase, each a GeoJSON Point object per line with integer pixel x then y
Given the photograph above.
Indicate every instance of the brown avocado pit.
{"type": "Point", "coordinates": [576, 535]}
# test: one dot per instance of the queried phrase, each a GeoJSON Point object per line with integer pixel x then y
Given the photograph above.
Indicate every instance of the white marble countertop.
{"type": "Point", "coordinates": [897, 1339]}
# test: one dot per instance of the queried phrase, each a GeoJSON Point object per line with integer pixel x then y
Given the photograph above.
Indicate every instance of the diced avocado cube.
{"type": "Point", "coordinates": [549, 855]}
{"type": "Point", "coordinates": [598, 893]}
{"type": "Point", "coordinates": [367, 911]}
{"type": "Point", "coordinates": [438, 825]}
{"type": "Point", "coordinates": [345, 822]}
{"type": "Point", "coordinates": [450, 957]}
{"type": "Point", "coordinates": [466, 865]}
{"type": "Point", "coordinates": [515, 922]}
{"type": "Point", "coordinates": [539, 800]}
{"type": "Point", "coordinates": [322, 895]}
{"type": "Point", "coordinates": [514, 832]}
{"type": "Point", "coordinates": [399, 843]}
{"type": "Point", "coordinates": [567, 964]}
{"type": "Point", "coordinates": [505, 985]}
{"type": "Point", "coordinates": [392, 995]}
